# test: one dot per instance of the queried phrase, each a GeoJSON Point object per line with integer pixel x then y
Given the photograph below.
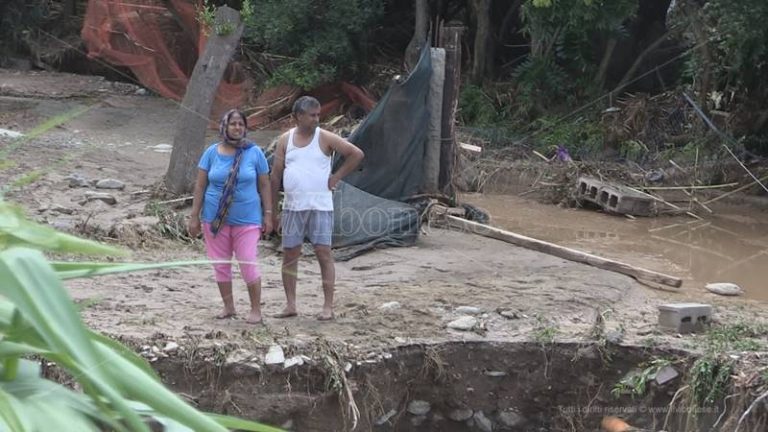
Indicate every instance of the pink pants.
{"type": "Point", "coordinates": [243, 241]}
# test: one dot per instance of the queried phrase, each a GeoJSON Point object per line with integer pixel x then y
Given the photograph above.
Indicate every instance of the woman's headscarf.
{"type": "Point", "coordinates": [225, 122]}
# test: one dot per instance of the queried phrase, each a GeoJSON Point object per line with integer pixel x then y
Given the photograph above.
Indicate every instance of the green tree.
{"type": "Point", "coordinates": [562, 57]}
{"type": "Point", "coordinates": [320, 40]}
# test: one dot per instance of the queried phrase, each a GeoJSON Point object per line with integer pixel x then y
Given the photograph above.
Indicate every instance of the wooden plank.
{"type": "Point", "coordinates": [470, 147]}
{"type": "Point", "coordinates": [564, 252]}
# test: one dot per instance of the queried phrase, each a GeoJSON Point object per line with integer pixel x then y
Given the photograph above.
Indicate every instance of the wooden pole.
{"type": "Point", "coordinates": [746, 186]}
{"type": "Point", "coordinates": [563, 252]}
{"type": "Point", "coordinates": [451, 42]}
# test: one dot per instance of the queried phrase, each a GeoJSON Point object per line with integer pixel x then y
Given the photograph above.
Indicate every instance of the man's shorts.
{"type": "Point", "coordinates": [315, 225]}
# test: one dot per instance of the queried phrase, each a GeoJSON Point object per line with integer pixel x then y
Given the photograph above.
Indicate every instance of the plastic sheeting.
{"type": "Point", "coordinates": [159, 41]}
{"type": "Point", "coordinates": [369, 210]}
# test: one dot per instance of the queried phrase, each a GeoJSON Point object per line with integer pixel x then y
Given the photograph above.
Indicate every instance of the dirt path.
{"type": "Point", "coordinates": [115, 135]}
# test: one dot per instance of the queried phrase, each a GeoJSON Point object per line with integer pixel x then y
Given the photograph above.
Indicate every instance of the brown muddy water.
{"type": "Point", "coordinates": [728, 246]}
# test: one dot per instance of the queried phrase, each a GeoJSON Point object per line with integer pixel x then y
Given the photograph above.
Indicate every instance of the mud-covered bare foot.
{"type": "Point", "coordinates": [286, 313]}
{"type": "Point", "coordinates": [325, 315]}
{"type": "Point", "coordinates": [226, 313]}
{"type": "Point", "coordinates": [254, 318]}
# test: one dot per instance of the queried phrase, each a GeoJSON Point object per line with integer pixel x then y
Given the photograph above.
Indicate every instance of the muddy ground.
{"type": "Point", "coordinates": [114, 133]}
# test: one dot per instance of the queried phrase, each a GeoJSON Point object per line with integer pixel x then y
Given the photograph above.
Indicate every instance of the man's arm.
{"type": "Point", "coordinates": [276, 177]}
{"type": "Point", "coordinates": [351, 153]}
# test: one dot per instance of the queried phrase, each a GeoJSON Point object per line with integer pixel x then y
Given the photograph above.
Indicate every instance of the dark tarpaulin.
{"type": "Point", "coordinates": [369, 211]}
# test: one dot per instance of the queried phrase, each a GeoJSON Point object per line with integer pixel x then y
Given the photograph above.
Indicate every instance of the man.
{"type": "Point", "coordinates": [302, 165]}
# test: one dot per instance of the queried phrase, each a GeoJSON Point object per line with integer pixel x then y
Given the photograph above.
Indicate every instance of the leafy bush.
{"type": "Point", "coordinates": [17, 19]}
{"type": "Point", "coordinates": [121, 392]}
{"type": "Point", "coordinates": [476, 108]}
{"type": "Point", "coordinates": [581, 137]}
{"type": "Point", "coordinates": [321, 40]}
{"type": "Point", "coordinates": [562, 33]}
{"type": "Point", "coordinates": [738, 33]}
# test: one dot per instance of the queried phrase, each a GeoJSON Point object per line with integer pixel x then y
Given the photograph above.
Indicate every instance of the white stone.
{"type": "Point", "coordinates": [10, 133]}
{"type": "Point", "coordinates": [293, 361]}
{"type": "Point", "coordinates": [468, 310]}
{"type": "Point", "coordinates": [509, 314]}
{"type": "Point", "coordinates": [110, 184]}
{"type": "Point", "coordinates": [171, 347]}
{"type": "Point", "coordinates": [724, 288]}
{"type": "Point", "coordinates": [460, 414]}
{"type": "Point", "coordinates": [483, 423]}
{"type": "Point", "coordinates": [511, 419]}
{"type": "Point", "coordinates": [274, 355]}
{"type": "Point", "coordinates": [419, 407]}
{"type": "Point", "coordinates": [385, 418]}
{"type": "Point", "coordinates": [390, 306]}
{"type": "Point", "coordinates": [464, 323]}
{"type": "Point", "coordinates": [162, 148]}
{"type": "Point", "coordinates": [100, 196]}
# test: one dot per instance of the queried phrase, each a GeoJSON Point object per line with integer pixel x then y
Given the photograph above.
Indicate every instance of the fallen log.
{"type": "Point", "coordinates": [563, 252]}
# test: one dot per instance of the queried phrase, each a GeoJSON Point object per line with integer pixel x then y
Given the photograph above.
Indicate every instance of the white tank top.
{"type": "Point", "coordinates": [305, 179]}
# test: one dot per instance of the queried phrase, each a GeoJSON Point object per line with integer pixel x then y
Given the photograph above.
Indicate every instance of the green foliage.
{"type": "Point", "coordinates": [540, 82]}
{"type": "Point", "coordinates": [17, 19]}
{"type": "Point", "coordinates": [735, 337]}
{"type": "Point", "coordinates": [709, 380]}
{"type": "Point", "coordinates": [633, 150]}
{"type": "Point", "coordinates": [322, 40]}
{"type": "Point", "coordinates": [582, 137]}
{"type": "Point", "coordinates": [739, 36]}
{"type": "Point", "coordinates": [545, 331]}
{"type": "Point", "coordinates": [476, 108]}
{"type": "Point", "coordinates": [564, 29]}
{"type": "Point", "coordinates": [636, 384]}
{"type": "Point", "coordinates": [38, 318]}
{"type": "Point", "coordinates": [562, 60]}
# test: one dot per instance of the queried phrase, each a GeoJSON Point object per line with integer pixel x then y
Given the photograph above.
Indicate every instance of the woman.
{"type": "Point", "coordinates": [233, 201]}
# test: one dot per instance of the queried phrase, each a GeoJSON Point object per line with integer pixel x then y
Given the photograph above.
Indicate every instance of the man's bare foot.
{"type": "Point", "coordinates": [254, 318]}
{"type": "Point", "coordinates": [226, 314]}
{"type": "Point", "coordinates": [325, 315]}
{"type": "Point", "coordinates": [286, 313]}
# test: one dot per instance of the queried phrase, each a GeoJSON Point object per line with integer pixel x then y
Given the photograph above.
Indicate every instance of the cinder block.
{"type": "Point", "coordinates": [618, 199]}
{"type": "Point", "coordinates": [684, 317]}
{"type": "Point", "coordinates": [588, 189]}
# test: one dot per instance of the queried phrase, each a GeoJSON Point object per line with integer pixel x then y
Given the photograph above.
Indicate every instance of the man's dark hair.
{"type": "Point", "coordinates": [305, 103]}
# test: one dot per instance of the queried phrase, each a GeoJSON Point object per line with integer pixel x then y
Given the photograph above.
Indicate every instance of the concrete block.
{"type": "Point", "coordinates": [684, 317]}
{"type": "Point", "coordinates": [588, 189]}
{"type": "Point", "coordinates": [622, 200]}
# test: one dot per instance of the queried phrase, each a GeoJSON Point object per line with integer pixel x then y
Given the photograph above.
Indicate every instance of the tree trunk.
{"type": "Point", "coordinates": [192, 122]}
{"type": "Point", "coordinates": [481, 9]}
{"type": "Point", "coordinates": [607, 54]}
{"type": "Point", "coordinates": [419, 34]}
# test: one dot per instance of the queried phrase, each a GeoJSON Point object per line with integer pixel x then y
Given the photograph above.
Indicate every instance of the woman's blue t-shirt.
{"type": "Point", "coordinates": [246, 204]}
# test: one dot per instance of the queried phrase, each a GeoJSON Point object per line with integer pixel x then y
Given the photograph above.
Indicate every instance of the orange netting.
{"type": "Point", "coordinates": [160, 41]}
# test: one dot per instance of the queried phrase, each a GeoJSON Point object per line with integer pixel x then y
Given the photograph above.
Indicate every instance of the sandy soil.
{"type": "Point", "coordinates": [445, 270]}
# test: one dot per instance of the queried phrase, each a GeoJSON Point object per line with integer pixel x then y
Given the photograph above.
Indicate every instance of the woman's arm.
{"type": "Point", "coordinates": [193, 226]}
